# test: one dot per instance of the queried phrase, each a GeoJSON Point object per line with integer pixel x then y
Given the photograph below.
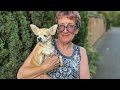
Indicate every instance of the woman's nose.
{"type": "Point", "coordinates": [65, 30]}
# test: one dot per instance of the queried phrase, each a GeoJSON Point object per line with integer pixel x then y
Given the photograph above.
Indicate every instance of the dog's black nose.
{"type": "Point", "coordinates": [40, 39]}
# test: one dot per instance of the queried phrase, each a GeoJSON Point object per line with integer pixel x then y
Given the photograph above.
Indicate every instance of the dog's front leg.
{"type": "Point", "coordinates": [61, 61]}
{"type": "Point", "coordinates": [41, 58]}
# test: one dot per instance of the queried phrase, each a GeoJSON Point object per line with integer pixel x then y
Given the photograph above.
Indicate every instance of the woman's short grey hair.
{"type": "Point", "coordinates": [73, 14]}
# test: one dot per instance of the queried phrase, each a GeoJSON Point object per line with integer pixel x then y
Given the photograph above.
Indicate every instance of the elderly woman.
{"type": "Point", "coordinates": [75, 61]}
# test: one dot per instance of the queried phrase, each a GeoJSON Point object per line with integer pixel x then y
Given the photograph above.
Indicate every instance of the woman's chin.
{"type": "Point", "coordinates": [65, 41]}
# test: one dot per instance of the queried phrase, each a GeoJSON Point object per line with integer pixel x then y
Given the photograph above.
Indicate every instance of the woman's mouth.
{"type": "Point", "coordinates": [65, 35]}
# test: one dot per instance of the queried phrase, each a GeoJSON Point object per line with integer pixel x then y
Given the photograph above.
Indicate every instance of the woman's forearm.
{"type": "Point", "coordinates": [30, 72]}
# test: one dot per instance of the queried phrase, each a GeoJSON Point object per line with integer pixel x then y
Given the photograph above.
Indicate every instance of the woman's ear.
{"type": "Point", "coordinates": [76, 32]}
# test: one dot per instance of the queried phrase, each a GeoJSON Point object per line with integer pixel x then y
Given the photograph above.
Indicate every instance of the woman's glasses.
{"type": "Point", "coordinates": [69, 28]}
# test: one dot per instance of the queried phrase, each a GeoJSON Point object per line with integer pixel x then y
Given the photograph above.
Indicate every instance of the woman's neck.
{"type": "Point", "coordinates": [64, 46]}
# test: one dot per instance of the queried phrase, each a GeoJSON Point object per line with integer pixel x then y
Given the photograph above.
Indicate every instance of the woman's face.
{"type": "Point", "coordinates": [64, 35]}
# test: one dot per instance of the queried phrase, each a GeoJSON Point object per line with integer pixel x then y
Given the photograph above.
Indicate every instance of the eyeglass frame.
{"type": "Point", "coordinates": [75, 26]}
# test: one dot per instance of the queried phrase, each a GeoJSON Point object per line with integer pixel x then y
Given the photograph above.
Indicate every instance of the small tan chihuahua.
{"type": "Point", "coordinates": [44, 38]}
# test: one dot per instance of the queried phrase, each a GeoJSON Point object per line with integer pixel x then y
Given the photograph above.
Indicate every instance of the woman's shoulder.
{"type": "Point", "coordinates": [82, 49]}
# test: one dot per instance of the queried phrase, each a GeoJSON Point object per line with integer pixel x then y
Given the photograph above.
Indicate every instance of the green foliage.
{"type": "Point", "coordinates": [3, 52]}
{"type": "Point", "coordinates": [115, 18]}
{"type": "Point", "coordinates": [93, 57]}
{"type": "Point", "coordinates": [81, 37]}
{"type": "Point", "coordinates": [14, 42]}
{"type": "Point", "coordinates": [43, 18]}
{"type": "Point", "coordinates": [111, 18]}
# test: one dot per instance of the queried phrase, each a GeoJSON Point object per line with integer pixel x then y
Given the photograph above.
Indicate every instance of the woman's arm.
{"type": "Point", "coordinates": [84, 67]}
{"type": "Point", "coordinates": [26, 71]}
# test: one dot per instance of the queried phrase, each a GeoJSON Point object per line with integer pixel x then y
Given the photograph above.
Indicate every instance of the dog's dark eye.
{"type": "Point", "coordinates": [37, 35]}
{"type": "Point", "coordinates": [45, 35]}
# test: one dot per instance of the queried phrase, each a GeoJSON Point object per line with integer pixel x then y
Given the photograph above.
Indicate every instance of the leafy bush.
{"type": "Point", "coordinates": [15, 42]}
{"type": "Point", "coordinates": [93, 57]}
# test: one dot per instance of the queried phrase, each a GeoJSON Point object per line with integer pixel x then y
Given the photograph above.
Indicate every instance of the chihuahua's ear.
{"type": "Point", "coordinates": [53, 29]}
{"type": "Point", "coordinates": [34, 28]}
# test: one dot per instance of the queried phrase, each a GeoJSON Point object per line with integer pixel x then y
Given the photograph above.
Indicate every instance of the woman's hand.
{"type": "Point", "coordinates": [51, 62]}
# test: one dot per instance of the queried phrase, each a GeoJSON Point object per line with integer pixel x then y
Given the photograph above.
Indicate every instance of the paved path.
{"type": "Point", "coordinates": [108, 47]}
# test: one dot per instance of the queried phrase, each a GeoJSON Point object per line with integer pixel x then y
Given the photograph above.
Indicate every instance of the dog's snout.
{"type": "Point", "coordinates": [40, 39]}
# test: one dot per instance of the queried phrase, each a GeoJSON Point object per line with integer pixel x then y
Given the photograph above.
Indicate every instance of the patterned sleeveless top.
{"type": "Point", "coordinates": [70, 68]}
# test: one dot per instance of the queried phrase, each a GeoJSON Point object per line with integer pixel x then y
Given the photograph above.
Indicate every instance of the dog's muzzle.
{"type": "Point", "coordinates": [39, 39]}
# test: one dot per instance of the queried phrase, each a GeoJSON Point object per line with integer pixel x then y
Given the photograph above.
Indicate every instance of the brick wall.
{"type": "Point", "coordinates": [96, 28]}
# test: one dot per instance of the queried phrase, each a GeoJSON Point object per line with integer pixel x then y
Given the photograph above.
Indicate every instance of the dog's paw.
{"type": "Point", "coordinates": [61, 61]}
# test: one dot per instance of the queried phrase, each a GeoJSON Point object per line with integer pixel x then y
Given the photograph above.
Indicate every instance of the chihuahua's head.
{"type": "Point", "coordinates": [44, 34]}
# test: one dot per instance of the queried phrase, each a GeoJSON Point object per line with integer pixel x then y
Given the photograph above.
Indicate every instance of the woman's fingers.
{"type": "Point", "coordinates": [53, 57]}
{"type": "Point", "coordinates": [51, 62]}
{"type": "Point", "coordinates": [52, 54]}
